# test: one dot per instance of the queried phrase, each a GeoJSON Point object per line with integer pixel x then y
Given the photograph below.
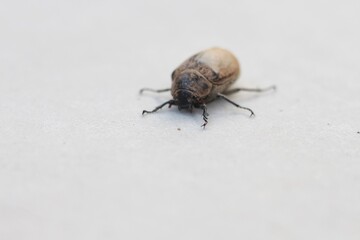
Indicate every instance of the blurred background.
{"type": "Point", "coordinates": [77, 159]}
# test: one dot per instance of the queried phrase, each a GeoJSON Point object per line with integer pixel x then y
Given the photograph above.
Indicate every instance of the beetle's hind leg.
{"type": "Point", "coordinates": [205, 115]}
{"type": "Point", "coordinates": [219, 95]}
{"type": "Point", "coordinates": [154, 90]}
{"type": "Point", "coordinates": [170, 102]}
{"type": "Point", "coordinates": [235, 90]}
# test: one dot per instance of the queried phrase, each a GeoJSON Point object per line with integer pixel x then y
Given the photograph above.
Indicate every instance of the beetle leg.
{"type": "Point", "coordinates": [205, 115]}
{"type": "Point", "coordinates": [170, 102]}
{"type": "Point", "coordinates": [235, 104]}
{"type": "Point", "coordinates": [235, 90]}
{"type": "Point", "coordinates": [153, 90]}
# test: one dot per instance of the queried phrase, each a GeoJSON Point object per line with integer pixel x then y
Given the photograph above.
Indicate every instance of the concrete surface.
{"type": "Point", "coordinates": [78, 161]}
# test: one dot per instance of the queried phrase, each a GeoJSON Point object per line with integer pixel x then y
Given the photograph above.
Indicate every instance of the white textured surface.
{"type": "Point", "coordinates": [77, 160]}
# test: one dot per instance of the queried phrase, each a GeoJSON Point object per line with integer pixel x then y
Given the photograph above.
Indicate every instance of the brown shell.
{"type": "Point", "coordinates": [219, 66]}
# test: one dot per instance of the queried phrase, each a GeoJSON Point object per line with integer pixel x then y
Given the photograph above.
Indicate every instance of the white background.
{"type": "Point", "coordinates": [78, 161]}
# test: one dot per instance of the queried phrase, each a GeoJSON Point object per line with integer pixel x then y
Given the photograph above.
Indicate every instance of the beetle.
{"type": "Point", "coordinates": [203, 78]}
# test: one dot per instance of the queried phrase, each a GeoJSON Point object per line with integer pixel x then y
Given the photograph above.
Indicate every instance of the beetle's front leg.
{"type": "Point", "coordinates": [170, 102]}
{"type": "Point", "coordinates": [219, 95]}
{"type": "Point", "coordinates": [205, 115]}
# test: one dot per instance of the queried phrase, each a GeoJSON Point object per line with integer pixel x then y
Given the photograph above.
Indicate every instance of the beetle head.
{"type": "Point", "coordinates": [189, 88]}
{"type": "Point", "coordinates": [185, 100]}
